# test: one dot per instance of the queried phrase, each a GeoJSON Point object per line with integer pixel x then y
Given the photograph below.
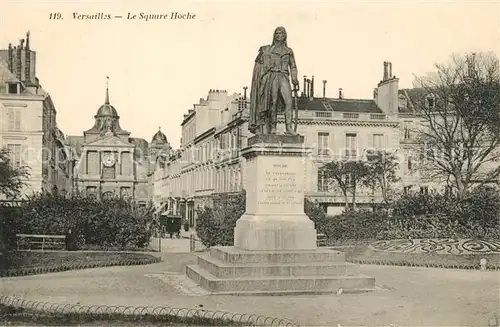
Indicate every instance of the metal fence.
{"type": "Point", "coordinates": [110, 312]}
{"type": "Point", "coordinates": [195, 244]}
{"type": "Point", "coordinates": [155, 243]}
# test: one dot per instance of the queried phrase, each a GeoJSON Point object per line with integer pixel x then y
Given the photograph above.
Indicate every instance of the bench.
{"type": "Point", "coordinates": [45, 241]}
{"type": "Point", "coordinates": [321, 240]}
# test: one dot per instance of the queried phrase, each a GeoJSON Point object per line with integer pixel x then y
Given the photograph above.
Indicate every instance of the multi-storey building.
{"type": "Point", "coordinates": [28, 125]}
{"type": "Point", "coordinates": [187, 179]}
{"type": "Point", "coordinates": [209, 160]}
{"type": "Point", "coordinates": [110, 162]}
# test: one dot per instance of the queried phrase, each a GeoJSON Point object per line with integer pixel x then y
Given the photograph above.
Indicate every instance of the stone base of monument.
{"type": "Point", "coordinates": [229, 270]}
{"type": "Point", "coordinates": [274, 248]}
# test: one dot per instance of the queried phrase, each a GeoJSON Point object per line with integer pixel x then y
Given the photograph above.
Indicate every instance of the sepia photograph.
{"type": "Point", "coordinates": [250, 163]}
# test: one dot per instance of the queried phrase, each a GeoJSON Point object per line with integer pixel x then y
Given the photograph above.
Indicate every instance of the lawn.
{"type": "Point", "coordinates": [17, 316]}
{"type": "Point", "coordinates": [365, 254]}
{"type": "Point", "coordinates": [30, 259]}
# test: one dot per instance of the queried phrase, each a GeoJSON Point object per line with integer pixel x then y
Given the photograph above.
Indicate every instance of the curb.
{"type": "Point", "coordinates": [421, 264]}
{"type": "Point", "coordinates": [66, 267]}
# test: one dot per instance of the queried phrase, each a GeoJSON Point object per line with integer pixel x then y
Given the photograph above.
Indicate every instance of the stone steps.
{"type": "Point", "coordinates": [229, 270]}
{"type": "Point", "coordinates": [234, 255]}
{"type": "Point", "coordinates": [222, 269]}
{"type": "Point", "coordinates": [278, 284]}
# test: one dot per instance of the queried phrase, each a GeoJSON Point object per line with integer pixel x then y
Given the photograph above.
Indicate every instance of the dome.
{"type": "Point", "coordinates": [159, 137]}
{"type": "Point", "coordinates": [107, 109]}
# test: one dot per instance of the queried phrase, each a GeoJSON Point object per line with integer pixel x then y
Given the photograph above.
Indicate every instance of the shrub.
{"type": "Point", "coordinates": [9, 227]}
{"type": "Point", "coordinates": [317, 214]}
{"type": "Point", "coordinates": [358, 225]}
{"type": "Point", "coordinates": [215, 225]}
{"type": "Point", "coordinates": [439, 216]}
{"type": "Point", "coordinates": [103, 223]}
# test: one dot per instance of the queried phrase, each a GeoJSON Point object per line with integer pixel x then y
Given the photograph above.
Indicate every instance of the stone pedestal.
{"type": "Point", "coordinates": [274, 217]}
{"type": "Point", "coordinates": [275, 241]}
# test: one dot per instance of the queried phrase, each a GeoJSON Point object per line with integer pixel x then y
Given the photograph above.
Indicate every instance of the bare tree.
{"type": "Point", "coordinates": [460, 132]}
{"type": "Point", "coordinates": [348, 175]}
{"type": "Point", "coordinates": [382, 166]}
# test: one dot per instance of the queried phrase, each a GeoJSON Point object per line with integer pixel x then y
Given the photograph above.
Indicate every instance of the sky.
{"type": "Point", "coordinates": [159, 68]}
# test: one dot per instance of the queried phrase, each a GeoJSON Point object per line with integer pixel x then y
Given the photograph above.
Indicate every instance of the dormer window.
{"type": "Point", "coordinates": [12, 88]}
{"type": "Point", "coordinates": [403, 102]}
{"type": "Point", "coordinates": [429, 102]}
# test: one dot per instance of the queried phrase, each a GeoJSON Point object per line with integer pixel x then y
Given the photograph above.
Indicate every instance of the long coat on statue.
{"type": "Point", "coordinates": [268, 65]}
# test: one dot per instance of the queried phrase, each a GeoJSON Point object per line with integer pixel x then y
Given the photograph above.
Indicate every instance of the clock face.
{"type": "Point", "coordinates": [108, 160]}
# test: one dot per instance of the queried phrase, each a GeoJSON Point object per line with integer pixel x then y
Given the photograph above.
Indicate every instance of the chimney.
{"type": "Point", "coordinates": [245, 92]}
{"type": "Point", "coordinates": [27, 72]}
{"type": "Point", "coordinates": [389, 68]}
{"type": "Point", "coordinates": [471, 62]}
{"type": "Point", "coordinates": [341, 96]}
{"type": "Point", "coordinates": [11, 58]}
{"type": "Point", "coordinates": [304, 90]}
{"type": "Point", "coordinates": [386, 72]}
{"type": "Point", "coordinates": [312, 88]}
{"type": "Point", "coordinates": [324, 88]}
{"type": "Point", "coordinates": [18, 60]}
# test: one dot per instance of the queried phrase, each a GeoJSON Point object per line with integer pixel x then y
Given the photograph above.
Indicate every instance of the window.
{"type": "Point", "coordinates": [410, 164]}
{"type": "Point", "coordinates": [430, 102]}
{"type": "Point", "coordinates": [322, 181]}
{"type": "Point", "coordinates": [91, 191]}
{"type": "Point", "coordinates": [222, 141]}
{"type": "Point", "coordinates": [403, 102]}
{"type": "Point", "coordinates": [14, 120]}
{"type": "Point", "coordinates": [378, 141]}
{"type": "Point", "coordinates": [13, 88]}
{"type": "Point", "coordinates": [424, 190]}
{"type": "Point", "coordinates": [350, 145]}
{"type": "Point", "coordinates": [406, 130]}
{"type": "Point", "coordinates": [15, 155]}
{"type": "Point", "coordinates": [323, 143]}
{"type": "Point", "coordinates": [407, 189]}
{"type": "Point", "coordinates": [239, 142]}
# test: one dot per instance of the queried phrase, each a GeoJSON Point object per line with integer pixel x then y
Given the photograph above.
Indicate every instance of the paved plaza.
{"type": "Point", "coordinates": [405, 296]}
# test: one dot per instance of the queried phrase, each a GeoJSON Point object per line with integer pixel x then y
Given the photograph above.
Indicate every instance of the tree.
{"type": "Point", "coordinates": [382, 167]}
{"type": "Point", "coordinates": [460, 133]}
{"type": "Point", "coordinates": [12, 179]}
{"type": "Point", "coordinates": [348, 174]}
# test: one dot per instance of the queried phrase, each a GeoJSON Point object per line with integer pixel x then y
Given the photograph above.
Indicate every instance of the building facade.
{"type": "Point", "coordinates": [110, 162]}
{"type": "Point", "coordinates": [28, 125]}
{"type": "Point", "coordinates": [213, 134]}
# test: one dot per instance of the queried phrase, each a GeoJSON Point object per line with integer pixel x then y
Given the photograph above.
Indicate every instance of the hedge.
{"type": "Point", "coordinates": [410, 216]}
{"type": "Point", "coordinates": [102, 223]}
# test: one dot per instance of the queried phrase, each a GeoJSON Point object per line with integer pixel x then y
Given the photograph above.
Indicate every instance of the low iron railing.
{"type": "Point", "coordinates": [146, 313]}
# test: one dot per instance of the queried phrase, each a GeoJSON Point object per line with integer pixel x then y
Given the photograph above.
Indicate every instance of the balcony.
{"type": "Point", "coordinates": [321, 115]}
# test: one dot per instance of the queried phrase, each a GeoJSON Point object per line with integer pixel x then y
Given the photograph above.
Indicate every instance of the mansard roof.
{"type": "Point", "coordinates": [338, 105]}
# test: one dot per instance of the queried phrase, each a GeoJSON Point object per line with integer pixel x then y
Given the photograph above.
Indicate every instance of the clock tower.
{"type": "Point", "coordinates": [111, 163]}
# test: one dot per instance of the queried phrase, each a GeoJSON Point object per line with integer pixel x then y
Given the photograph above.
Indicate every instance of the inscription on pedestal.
{"type": "Point", "coordinates": [280, 186]}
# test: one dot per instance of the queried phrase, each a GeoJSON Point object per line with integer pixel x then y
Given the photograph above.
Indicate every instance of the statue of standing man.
{"type": "Point", "coordinates": [271, 92]}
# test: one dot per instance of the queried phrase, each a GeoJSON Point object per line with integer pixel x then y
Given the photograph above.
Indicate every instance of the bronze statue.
{"type": "Point", "coordinates": [271, 91]}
